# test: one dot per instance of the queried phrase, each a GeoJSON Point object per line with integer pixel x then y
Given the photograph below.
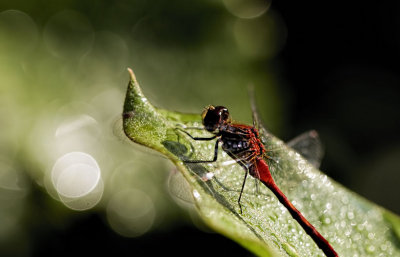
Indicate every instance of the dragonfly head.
{"type": "Point", "coordinates": [214, 117]}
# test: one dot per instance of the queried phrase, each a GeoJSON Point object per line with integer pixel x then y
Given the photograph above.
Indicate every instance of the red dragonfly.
{"type": "Point", "coordinates": [242, 143]}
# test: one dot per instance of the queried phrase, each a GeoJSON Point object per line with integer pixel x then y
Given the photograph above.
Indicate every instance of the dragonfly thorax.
{"type": "Point", "coordinates": [242, 142]}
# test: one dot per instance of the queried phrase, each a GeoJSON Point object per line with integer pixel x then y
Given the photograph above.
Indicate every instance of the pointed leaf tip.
{"type": "Point", "coordinates": [132, 74]}
{"type": "Point", "coordinates": [141, 120]}
{"type": "Point", "coordinates": [134, 96]}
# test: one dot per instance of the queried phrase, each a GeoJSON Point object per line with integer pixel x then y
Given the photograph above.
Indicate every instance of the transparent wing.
{"type": "Point", "coordinates": [178, 186]}
{"type": "Point", "coordinates": [309, 146]}
{"type": "Point", "coordinates": [256, 118]}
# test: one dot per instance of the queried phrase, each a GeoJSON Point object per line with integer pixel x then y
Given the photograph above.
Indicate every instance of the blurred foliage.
{"type": "Point", "coordinates": [63, 67]}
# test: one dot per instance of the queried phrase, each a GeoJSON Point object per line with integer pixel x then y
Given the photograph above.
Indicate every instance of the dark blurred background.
{"type": "Point", "coordinates": [333, 68]}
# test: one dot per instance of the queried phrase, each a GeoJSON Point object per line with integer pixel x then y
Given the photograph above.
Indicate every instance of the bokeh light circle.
{"type": "Point", "coordinates": [76, 177]}
{"type": "Point", "coordinates": [131, 212]}
{"type": "Point", "coordinates": [20, 33]}
{"type": "Point", "coordinates": [247, 9]}
{"type": "Point", "coordinates": [68, 34]}
{"type": "Point", "coordinates": [109, 55]}
{"type": "Point", "coordinates": [85, 202]}
{"type": "Point", "coordinates": [263, 37]}
{"type": "Point", "coordinates": [77, 180]}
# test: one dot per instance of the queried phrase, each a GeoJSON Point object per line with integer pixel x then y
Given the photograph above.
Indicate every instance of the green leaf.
{"type": "Point", "coordinates": [354, 226]}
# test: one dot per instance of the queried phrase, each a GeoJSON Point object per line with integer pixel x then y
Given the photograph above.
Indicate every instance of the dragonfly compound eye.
{"type": "Point", "coordinates": [213, 117]}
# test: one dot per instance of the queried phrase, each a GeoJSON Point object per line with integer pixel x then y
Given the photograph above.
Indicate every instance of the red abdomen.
{"type": "Point", "coordinates": [262, 173]}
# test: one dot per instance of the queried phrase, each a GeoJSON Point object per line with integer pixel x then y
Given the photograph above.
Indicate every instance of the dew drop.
{"type": "Point", "coordinates": [326, 220]}
{"type": "Point", "coordinates": [208, 176]}
{"type": "Point", "coordinates": [196, 194]}
{"type": "Point", "coordinates": [328, 206]}
{"type": "Point", "coordinates": [290, 250]}
{"type": "Point", "coordinates": [350, 215]}
{"type": "Point", "coordinates": [371, 235]}
{"type": "Point", "coordinates": [360, 227]}
{"type": "Point", "coordinates": [371, 249]}
{"type": "Point", "coordinates": [345, 200]}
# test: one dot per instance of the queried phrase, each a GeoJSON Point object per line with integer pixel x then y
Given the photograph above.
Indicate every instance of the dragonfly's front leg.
{"type": "Point", "coordinates": [197, 138]}
{"type": "Point", "coordinates": [203, 139]}
{"type": "Point", "coordinates": [207, 161]}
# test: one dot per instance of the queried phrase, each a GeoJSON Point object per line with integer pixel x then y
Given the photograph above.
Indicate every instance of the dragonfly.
{"type": "Point", "coordinates": [243, 144]}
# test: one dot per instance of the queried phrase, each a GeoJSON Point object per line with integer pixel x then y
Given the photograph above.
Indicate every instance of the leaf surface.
{"type": "Point", "coordinates": [353, 225]}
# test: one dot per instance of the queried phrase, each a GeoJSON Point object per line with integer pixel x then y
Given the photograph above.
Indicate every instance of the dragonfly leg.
{"type": "Point", "coordinates": [257, 187]}
{"type": "Point", "coordinates": [207, 161]}
{"type": "Point", "coordinates": [197, 138]}
{"type": "Point", "coordinates": [241, 191]}
{"type": "Point", "coordinates": [243, 162]}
